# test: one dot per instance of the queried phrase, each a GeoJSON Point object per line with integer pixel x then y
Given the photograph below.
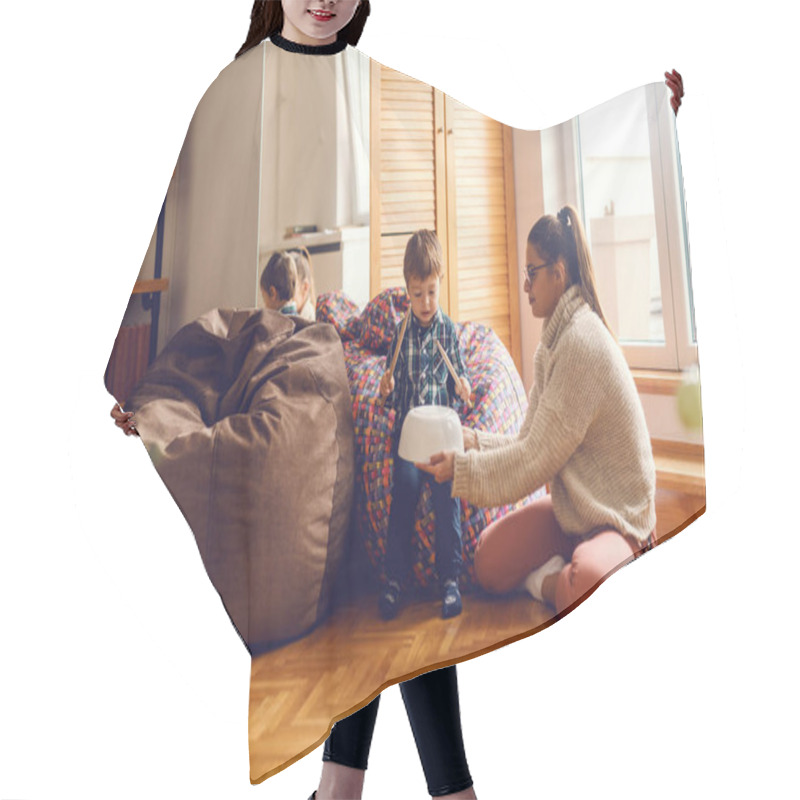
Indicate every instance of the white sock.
{"type": "Point", "coordinates": [533, 583]}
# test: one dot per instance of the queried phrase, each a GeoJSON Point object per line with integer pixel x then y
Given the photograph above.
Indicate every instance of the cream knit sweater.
{"type": "Point", "coordinates": [584, 433]}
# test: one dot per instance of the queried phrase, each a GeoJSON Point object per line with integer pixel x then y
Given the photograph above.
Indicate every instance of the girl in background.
{"type": "Point", "coordinates": [279, 283]}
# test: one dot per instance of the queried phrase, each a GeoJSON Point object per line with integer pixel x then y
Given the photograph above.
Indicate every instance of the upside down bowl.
{"type": "Point", "coordinates": [428, 430]}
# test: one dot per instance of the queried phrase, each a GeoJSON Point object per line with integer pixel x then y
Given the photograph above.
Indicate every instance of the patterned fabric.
{"type": "Point", "coordinates": [337, 309]}
{"type": "Point", "coordinates": [499, 406]}
{"type": "Point", "coordinates": [381, 317]}
{"type": "Point", "coordinates": [421, 375]}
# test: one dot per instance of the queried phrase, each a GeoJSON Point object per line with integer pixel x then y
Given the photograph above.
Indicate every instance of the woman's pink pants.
{"type": "Point", "coordinates": [515, 545]}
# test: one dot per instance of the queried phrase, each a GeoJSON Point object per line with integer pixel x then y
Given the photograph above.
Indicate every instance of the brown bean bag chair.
{"type": "Point", "coordinates": [247, 416]}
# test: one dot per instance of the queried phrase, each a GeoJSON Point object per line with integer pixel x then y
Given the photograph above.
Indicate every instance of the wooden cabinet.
{"type": "Point", "coordinates": [435, 163]}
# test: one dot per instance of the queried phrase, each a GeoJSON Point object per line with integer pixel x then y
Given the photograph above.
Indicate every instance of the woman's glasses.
{"type": "Point", "coordinates": [531, 271]}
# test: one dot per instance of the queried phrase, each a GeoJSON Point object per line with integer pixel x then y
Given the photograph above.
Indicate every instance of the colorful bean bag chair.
{"type": "Point", "coordinates": [247, 417]}
{"type": "Point", "coordinates": [499, 406]}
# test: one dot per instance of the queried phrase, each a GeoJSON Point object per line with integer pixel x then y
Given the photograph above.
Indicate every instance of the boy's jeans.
{"type": "Point", "coordinates": [408, 482]}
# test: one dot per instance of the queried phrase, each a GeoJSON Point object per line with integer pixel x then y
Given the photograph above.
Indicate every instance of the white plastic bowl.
{"type": "Point", "coordinates": [428, 430]}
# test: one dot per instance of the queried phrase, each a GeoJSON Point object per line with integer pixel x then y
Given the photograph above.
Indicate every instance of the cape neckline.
{"type": "Point", "coordinates": [309, 49]}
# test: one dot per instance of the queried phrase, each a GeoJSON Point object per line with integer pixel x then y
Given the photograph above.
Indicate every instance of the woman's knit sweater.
{"type": "Point", "coordinates": [584, 433]}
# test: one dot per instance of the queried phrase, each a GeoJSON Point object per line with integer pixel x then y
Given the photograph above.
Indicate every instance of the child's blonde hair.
{"type": "Point", "coordinates": [302, 261]}
{"type": "Point", "coordinates": [280, 273]}
{"type": "Point", "coordinates": [423, 256]}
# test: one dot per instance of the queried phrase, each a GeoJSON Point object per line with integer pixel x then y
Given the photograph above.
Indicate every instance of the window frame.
{"type": "Point", "coordinates": [679, 349]}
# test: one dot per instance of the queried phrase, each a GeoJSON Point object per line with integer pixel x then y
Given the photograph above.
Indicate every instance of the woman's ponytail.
{"type": "Point", "coordinates": [581, 267]}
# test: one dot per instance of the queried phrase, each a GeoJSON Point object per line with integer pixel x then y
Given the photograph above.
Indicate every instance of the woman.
{"type": "Point", "coordinates": [584, 434]}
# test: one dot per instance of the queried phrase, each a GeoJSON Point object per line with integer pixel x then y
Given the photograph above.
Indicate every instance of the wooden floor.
{"type": "Point", "coordinates": [298, 689]}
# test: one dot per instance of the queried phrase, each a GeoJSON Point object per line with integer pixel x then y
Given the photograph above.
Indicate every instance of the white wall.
{"type": "Point", "coordinates": [213, 252]}
{"type": "Point", "coordinates": [299, 156]}
{"type": "Point", "coordinates": [222, 219]}
{"type": "Point", "coordinates": [315, 155]}
{"type": "Point", "coordinates": [542, 186]}
{"type": "Point", "coordinates": [529, 199]}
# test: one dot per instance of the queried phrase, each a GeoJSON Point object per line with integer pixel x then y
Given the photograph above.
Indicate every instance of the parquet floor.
{"type": "Point", "coordinates": [296, 690]}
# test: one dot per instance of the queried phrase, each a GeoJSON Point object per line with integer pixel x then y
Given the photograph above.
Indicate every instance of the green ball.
{"type": "Point", "coordinates": [690, 409]}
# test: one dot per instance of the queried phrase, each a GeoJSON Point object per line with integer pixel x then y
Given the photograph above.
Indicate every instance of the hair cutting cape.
{"type": "Point", "coordinates": [267, 429]}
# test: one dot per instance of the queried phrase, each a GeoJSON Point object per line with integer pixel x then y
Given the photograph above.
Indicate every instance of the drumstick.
{"type": "Point", "coordinates": [451, 368]}
{"type": "Point", "coordinates": [403, 327]}
{"type": "Point", "coordinates": [399, 342]}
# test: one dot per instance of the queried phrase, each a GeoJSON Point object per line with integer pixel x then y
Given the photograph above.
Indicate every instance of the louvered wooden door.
{"type": "Point", "coordinates": [481, 231]}
{"type": "Point", "coordinates": [408, 182]}
{"type": "Point", "coordinates": [438, 164]}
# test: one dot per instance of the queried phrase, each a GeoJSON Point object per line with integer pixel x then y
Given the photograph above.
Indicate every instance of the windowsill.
{"type": "Point", "coordinates": [680, 466]}
{"type": "Point", "coordinates": [657, 381]}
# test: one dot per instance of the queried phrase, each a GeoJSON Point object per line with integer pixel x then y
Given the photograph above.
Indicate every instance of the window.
{"type": "Point", "coordinates": [630, 195]}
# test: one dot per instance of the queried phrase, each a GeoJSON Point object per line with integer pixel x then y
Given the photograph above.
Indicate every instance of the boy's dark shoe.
{"type": "Point", "coordinates": [451, 600]}
{"type": "Point", "coordinates": [389, 600]}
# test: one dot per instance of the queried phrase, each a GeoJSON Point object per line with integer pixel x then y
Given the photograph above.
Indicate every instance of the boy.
{"type": "Point", "coordinates": [278, 283]}
{"type": "Point", "coordinates": [421, 377]}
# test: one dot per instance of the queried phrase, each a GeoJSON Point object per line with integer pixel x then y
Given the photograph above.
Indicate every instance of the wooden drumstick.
{"type": "Point", "coordinates": [400, 338]}
{"type": "Point", "coordinates": [451, 368]}
{"type": "Point", "coordinates": [399, 342]}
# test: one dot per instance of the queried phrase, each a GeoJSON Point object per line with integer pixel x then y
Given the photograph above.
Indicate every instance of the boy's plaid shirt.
{"type": "Point", "coordinates": [420, 376]}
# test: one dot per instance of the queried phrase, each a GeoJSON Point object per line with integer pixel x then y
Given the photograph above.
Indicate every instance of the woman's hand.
{"type": "Point", "coordinates": [441, 466]}
{"type": "Point", "coordinates": [470, 438]}
{"type": "Point", "coordinates": [675, 83]}
{"type": "Point", "coordinates": [387, 384]}
{"type": "Point", "coordinates": [124, 420]}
